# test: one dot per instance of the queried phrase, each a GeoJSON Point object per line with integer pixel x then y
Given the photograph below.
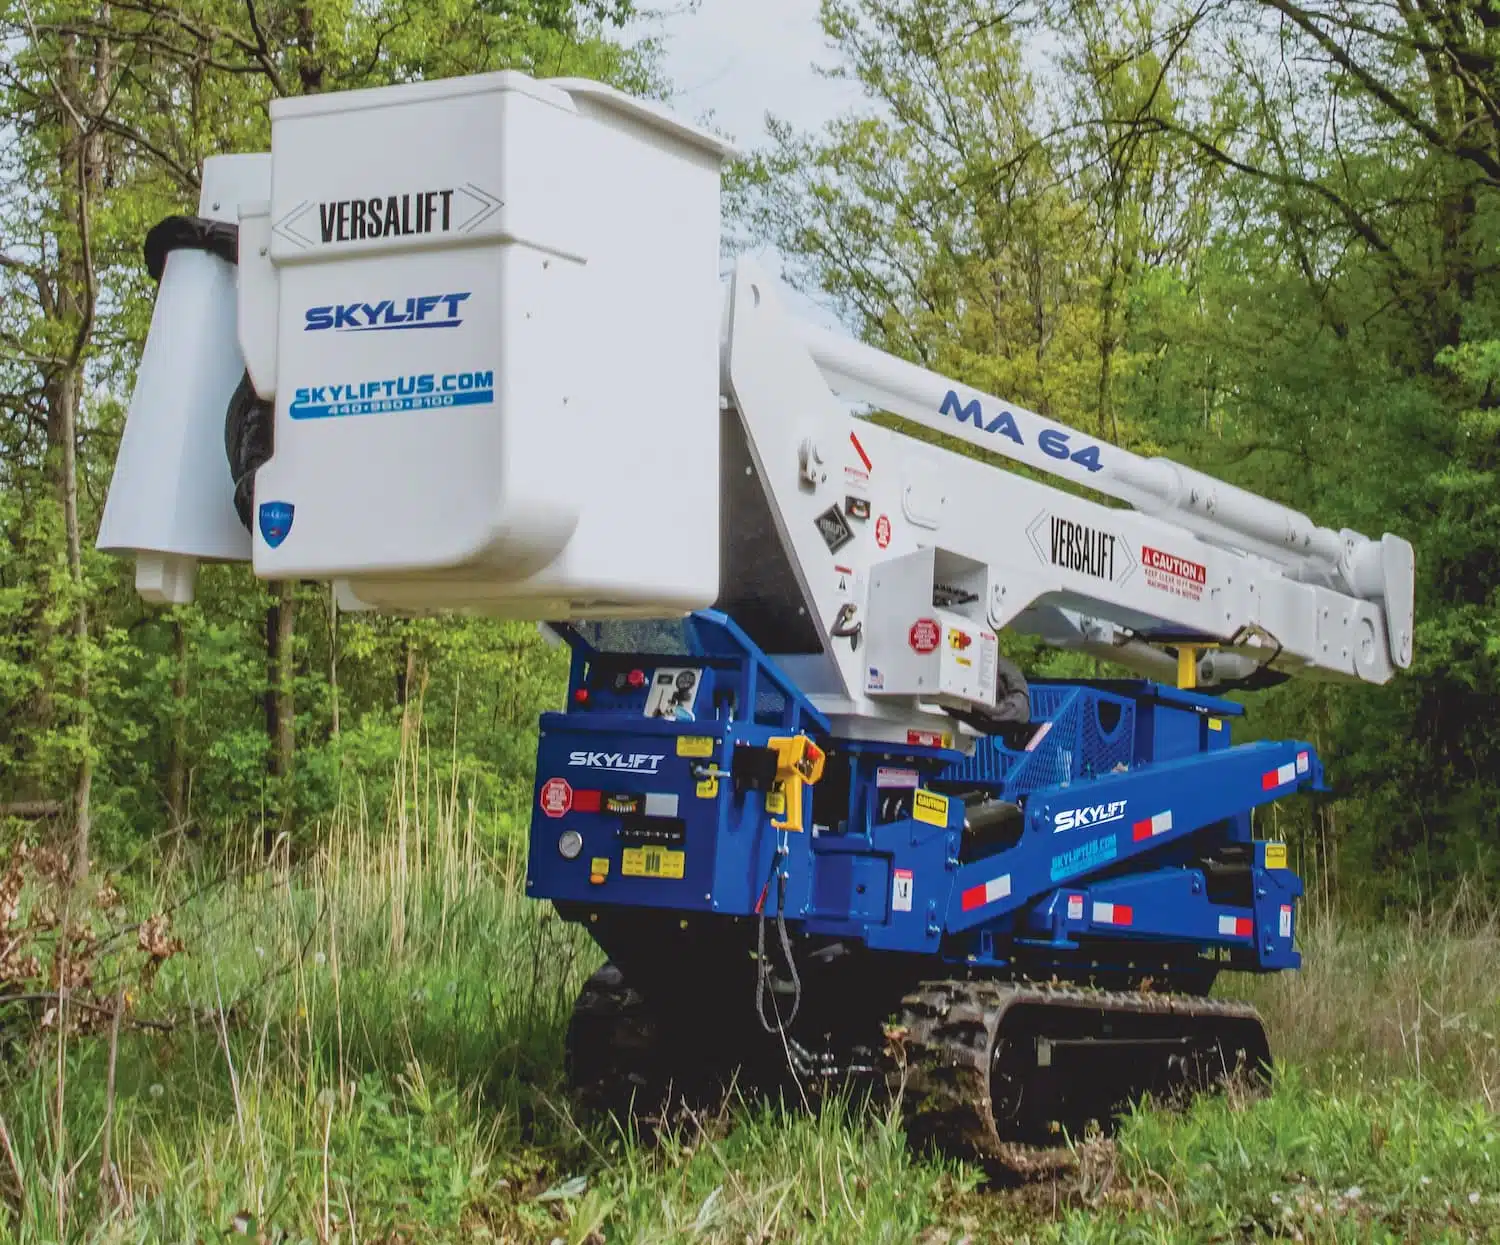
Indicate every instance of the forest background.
{"type": "Point", "coordinates": [1257, 237]}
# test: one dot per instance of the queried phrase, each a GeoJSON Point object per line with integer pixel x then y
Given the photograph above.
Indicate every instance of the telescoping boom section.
{"type": "Point", "coordinates": [819, 824]}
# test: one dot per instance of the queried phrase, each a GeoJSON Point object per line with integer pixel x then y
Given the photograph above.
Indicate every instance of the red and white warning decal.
{"type": "Point", "coordinates": [1169, 573]}
{"type": "Point", "coordinates": [924, 635]}
{"type": "Point", "coordinates": [883, 532]}
{"type": "Point", "coordinates": [1302, 762]}
{"type": "Point", "coordinates": [1286, 920]}
{"type": "Point", "coordinates": [986, 892]}
{"type": "Point", "coordinates": [1236, 926]}
{"type": "Point", "coordinates": [860, 450]}
{"type": "Point", "coordinates": [1147, 827]}
{"type": "Point", "coordinates": [889, 776]}
{"type": "Point", "coordinates": [901, 885]}
{"type": "Point", "coordinates": [1118, 914]}
{"type": "Point", "coordinates": [556, 797]}
{"type": "Point", "coordinates": [1278, 777]}
{"type": "Point", "coordinates": [927, 739]}
{"type": "Point", "coordinates": [1075, 907]}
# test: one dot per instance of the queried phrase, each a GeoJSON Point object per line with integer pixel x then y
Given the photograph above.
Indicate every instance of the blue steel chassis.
{"type": "Point", "coordinates": [1126, 795]}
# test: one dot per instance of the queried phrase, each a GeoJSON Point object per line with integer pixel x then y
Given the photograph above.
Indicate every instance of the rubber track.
{"type": "Point", "coordinates": [941, 1050]}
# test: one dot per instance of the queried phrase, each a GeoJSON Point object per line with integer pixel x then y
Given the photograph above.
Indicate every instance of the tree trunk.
{"type": "Point", "coordinates": [177, 756]}
{"type": "Point", "coordinates": [333, 662]}
{"type": "Point", "coordinates": [279, 706]}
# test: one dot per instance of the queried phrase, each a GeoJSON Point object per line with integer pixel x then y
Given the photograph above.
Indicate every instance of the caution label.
{"type": "Point", "coordinates": [930, 807]}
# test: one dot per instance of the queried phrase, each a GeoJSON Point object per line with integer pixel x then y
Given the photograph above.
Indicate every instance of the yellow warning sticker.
{"type": "Point", "coordinates": [930, 807]}
{"type": "Point", "coordinates": [652, 862]}
{"type": "Point", "coordinates": [708, 788]}
{"type": "Point", "coordinates": [1216, 724]}
{"type": "Point", "coordinates": [695, 745]}
{"type": "Point", "coordinates": [776, 802]}
{"type": "Point", "coordinates": [599, 865]}
{"type": "Point", "coordinates": [1275, 855]}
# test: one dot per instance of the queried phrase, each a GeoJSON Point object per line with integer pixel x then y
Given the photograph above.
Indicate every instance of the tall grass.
{"type": "Point", "coordinates": [366, 1045]}
{"type": "Point", "coordinates": [1411, 998]}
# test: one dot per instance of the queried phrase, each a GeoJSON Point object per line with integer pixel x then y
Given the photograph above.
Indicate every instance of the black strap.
{"type": "Point", "coordinates": [195, 233]}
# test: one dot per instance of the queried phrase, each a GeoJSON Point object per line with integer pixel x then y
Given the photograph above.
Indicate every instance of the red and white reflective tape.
{"type": "Point", "coordinates": [1236, 926]}
{"type": "Point", "coordinates": [986, 892]}
{"type": "Point", "coordinates": [1113, 914]}
{"type": "Point", "coordinates": [1279, 777]}
{"type": "Point", "coordinates": [1149, 826]}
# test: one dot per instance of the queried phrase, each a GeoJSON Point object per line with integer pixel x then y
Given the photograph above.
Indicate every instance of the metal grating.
{"type": "Point", "coordinates": [1075, 743]}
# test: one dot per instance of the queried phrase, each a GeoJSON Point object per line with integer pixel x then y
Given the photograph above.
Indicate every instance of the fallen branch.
{"type": "Point", "coordinates": [32, 810]}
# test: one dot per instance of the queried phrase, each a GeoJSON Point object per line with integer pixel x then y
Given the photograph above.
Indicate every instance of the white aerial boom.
{"type": "Point", "coordinates": [502, 372]}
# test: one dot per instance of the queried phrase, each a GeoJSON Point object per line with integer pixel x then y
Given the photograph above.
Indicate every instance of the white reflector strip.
{"type": "Point", "coordinates": [661, 804]}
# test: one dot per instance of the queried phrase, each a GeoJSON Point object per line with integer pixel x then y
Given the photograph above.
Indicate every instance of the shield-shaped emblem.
{"type": "Point", "coordinates": [275, 521]}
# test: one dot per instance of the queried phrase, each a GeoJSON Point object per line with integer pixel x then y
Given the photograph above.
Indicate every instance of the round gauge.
{"type": "Point", "coordinates": [570, 844]}
{"type": "Point", "coordinates": [686, 679]}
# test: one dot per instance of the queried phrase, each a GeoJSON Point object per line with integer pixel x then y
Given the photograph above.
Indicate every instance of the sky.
{"type": "Point", "coordinates": [739, 59]}
{"type": "Point", "coordinates": [733, 61]}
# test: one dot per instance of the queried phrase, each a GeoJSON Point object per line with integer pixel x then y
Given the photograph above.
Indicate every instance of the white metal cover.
{"type": "Point", "coordinates": [496, 354]}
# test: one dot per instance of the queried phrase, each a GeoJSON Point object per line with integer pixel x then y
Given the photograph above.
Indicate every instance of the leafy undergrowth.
{"type": "Point", "coordinates": [367, 1048]}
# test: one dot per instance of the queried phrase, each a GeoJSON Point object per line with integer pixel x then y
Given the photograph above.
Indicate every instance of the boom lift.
{"type": "Point", "coordinates": [474, 353]}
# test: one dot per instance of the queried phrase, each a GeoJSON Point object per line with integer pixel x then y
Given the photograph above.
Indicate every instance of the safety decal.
{"type": "Point", "coordinates": [276, 521]}
{"type": "Point", "coordinates": [931, 808]}
{"type": "Point", "coordinates": [986, 893]}
{"type": "Point", "coordinates": [927, 739]}
{"type": "Point", "coordinates": [860, 450]}
{"type": "Point", "coordinates": [889, 776]}
{"type": "Point", "coordinates": [857, 507]}
{"type": "Point", "coordinates": [1302, 762]}
{"type": "Point", "coordinates": [556, 797]}
{"type": "Point", "coordinates": [1286, 920]}
{"type": "Point", "coordinates": [1275, 855]}
{"type": "Point", "coordinates": [1166, 572]}
{"type": "Point", "coordinates": [883, 532]}
{"type": "Point", "coordinates": [652, 862]}
{"type": "Point", "coordinates": [1075, 907]}
{"type": "Point", "coordinates": [598, 869]}
{"type": "Point", "coordinates": [834, 529]}
{"type": "Point", "coordinates": [875, 681]}
{"type": "Point", "coordinates": [844, 580]}
{"type": "Point", "coordinates": [901, 888]}
{"type": "Point", "coordinates": [695, 746]}
{"type": "Point", "coordinates": [1117, 914]}
{"type": "Point", "coordinates": [1278, 777]}
{"type": "Point", "coordinates": [1236, 926]}
{"type": "Point", "coordinates": [1149, 827]}
{"type": "Point", "coordinates": [624, 803]}
{"type": "Point", "coordinates": [924, 634]}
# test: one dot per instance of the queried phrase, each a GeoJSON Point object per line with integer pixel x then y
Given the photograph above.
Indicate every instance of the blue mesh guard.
{"type": "Point", "coordinates": [1086, 732]}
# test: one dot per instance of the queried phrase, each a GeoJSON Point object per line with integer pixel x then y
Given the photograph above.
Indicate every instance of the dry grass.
{"type": "Point", "coordinates": [1412, 998]}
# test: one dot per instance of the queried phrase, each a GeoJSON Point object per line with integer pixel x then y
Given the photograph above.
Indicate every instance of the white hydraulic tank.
{"type": "Point", "coordinates": [171, 500]}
